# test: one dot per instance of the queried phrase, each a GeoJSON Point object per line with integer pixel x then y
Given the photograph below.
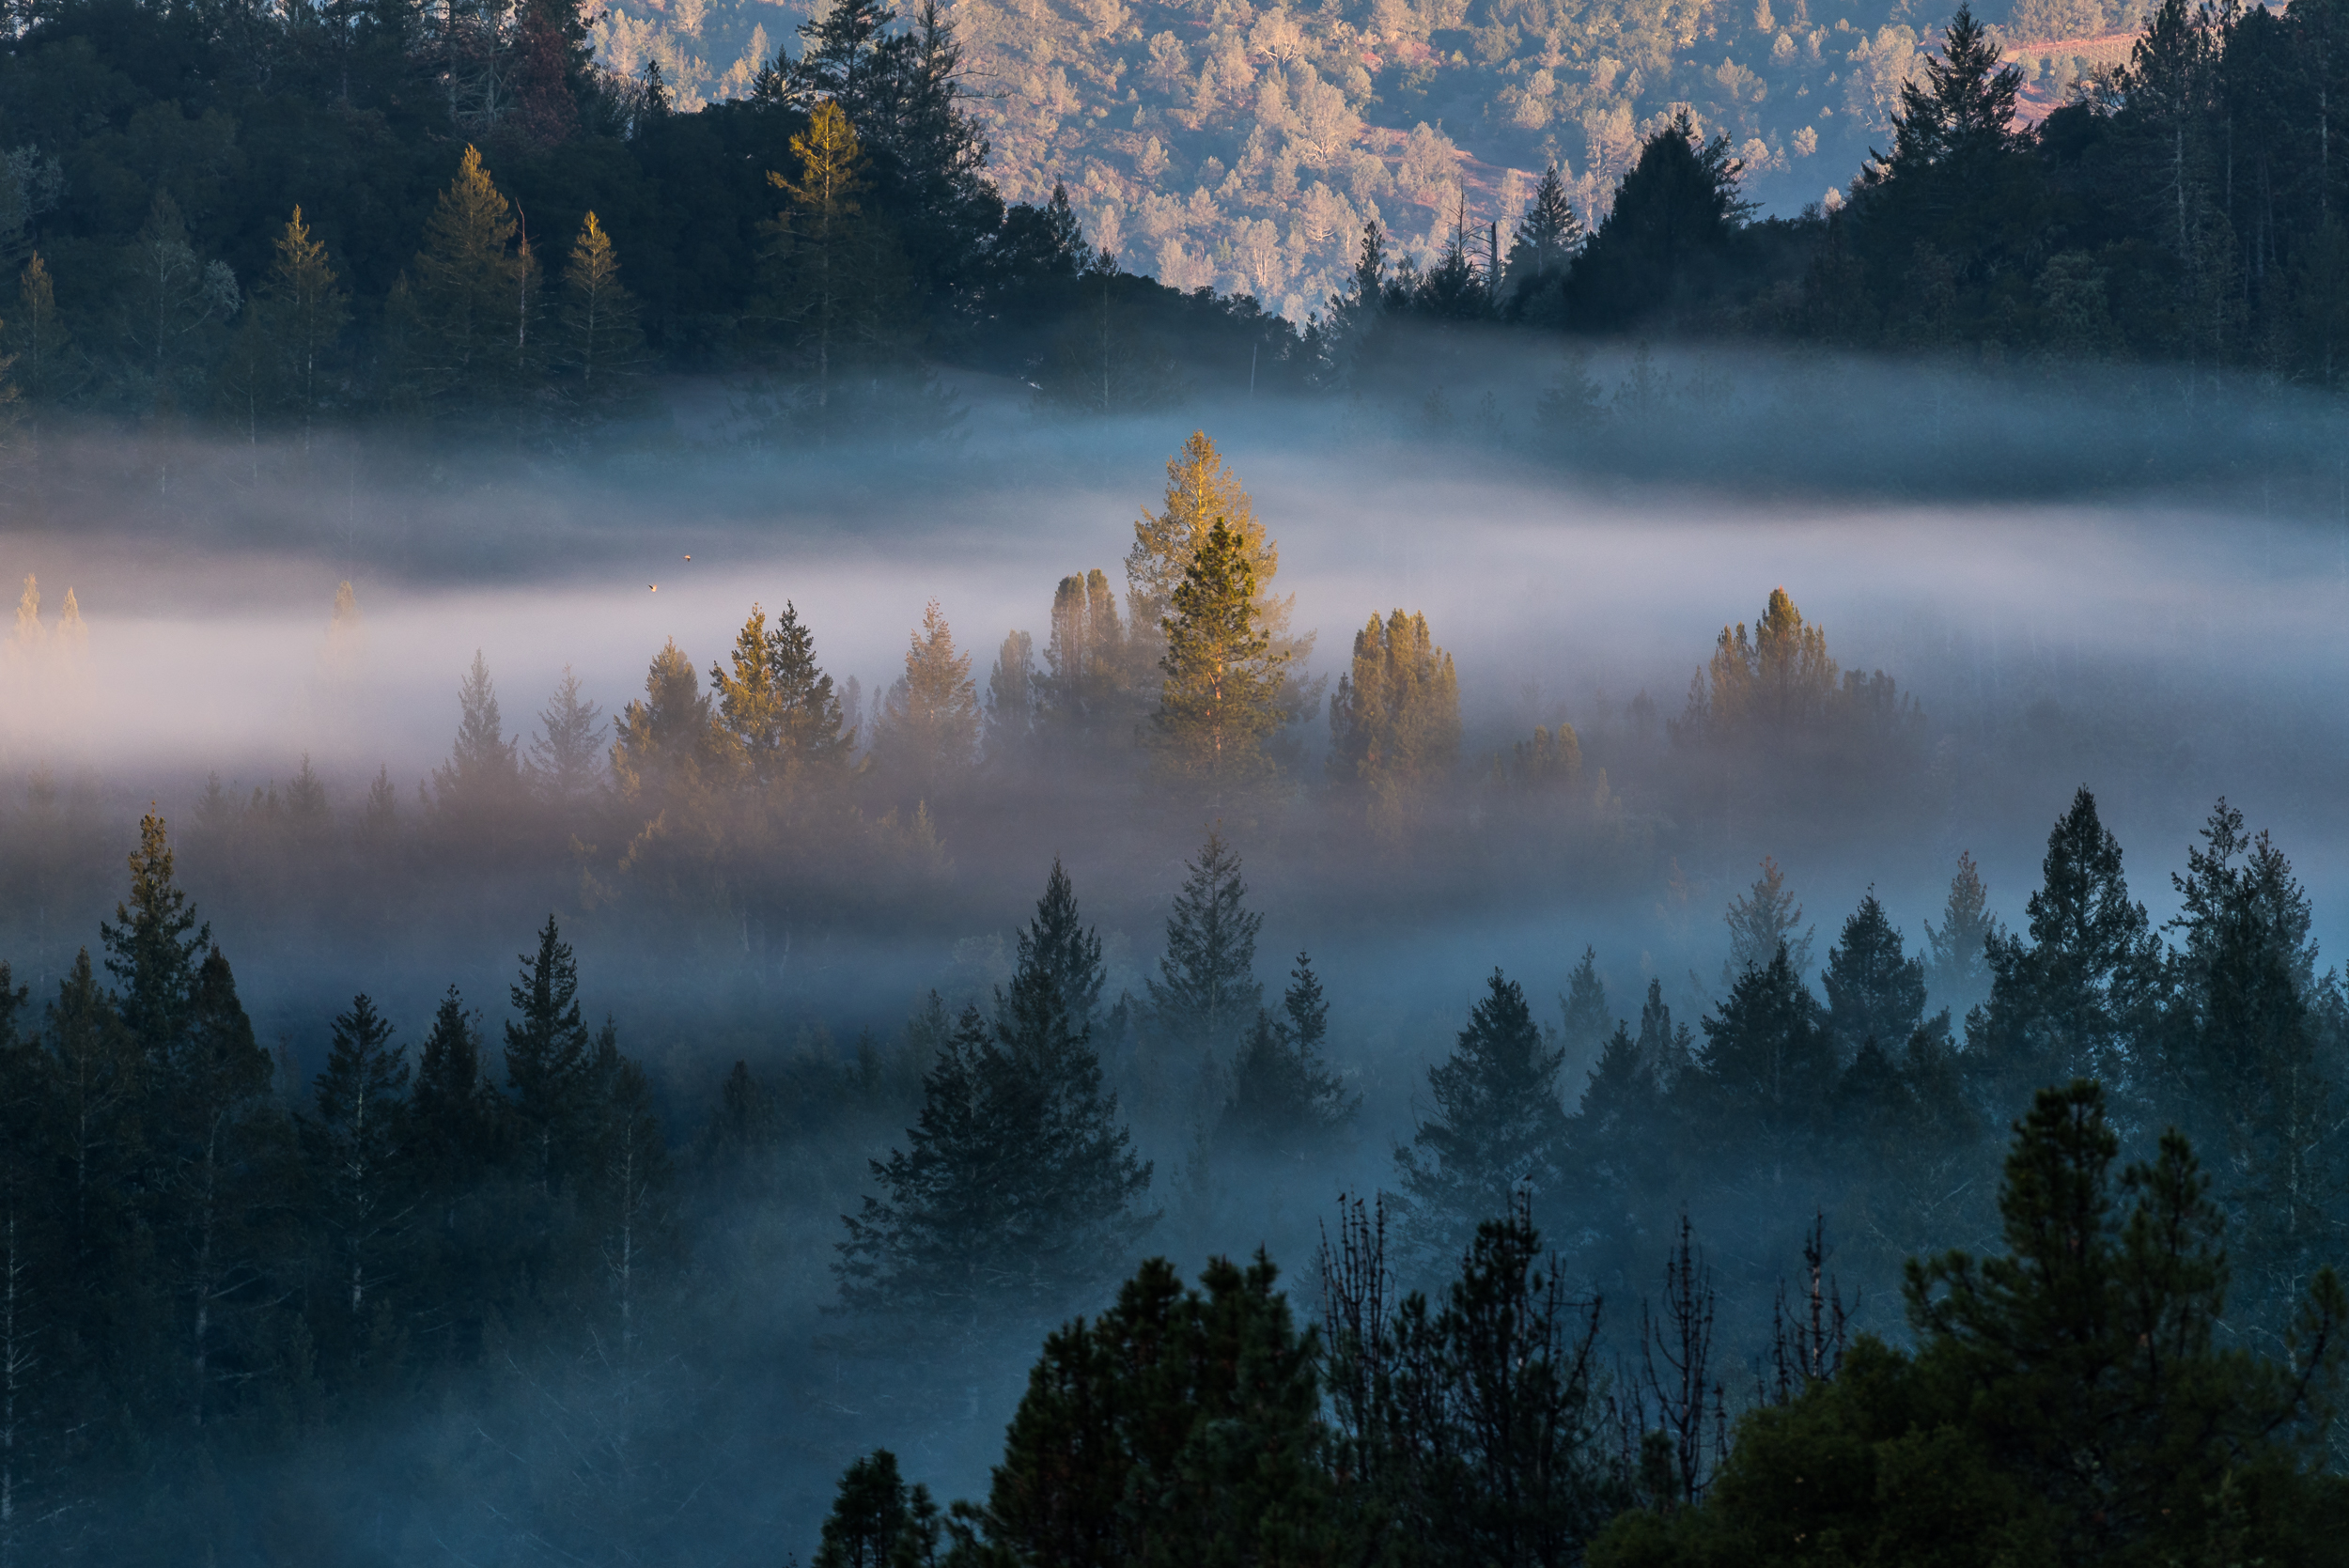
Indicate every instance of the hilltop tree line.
{"type": "Point", "coordinates": [272, 222]}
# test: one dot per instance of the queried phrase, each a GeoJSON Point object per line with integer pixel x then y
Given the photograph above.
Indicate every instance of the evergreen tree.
{"type": "Point", "coordinates": [776, 707]}
{"type": "Point", "coordinates": [2069, 1003]}
{"type": "Point", "coordinates": [209, 1203]}
{"type": "Point", "coordinates": [832, 270]}
{"type": "Point", "coordinates": [467, 317]}
{"type": "Point", "coordinates": [1584, 1007]}
{"type": "Point", "coordinates": [1669, 237]}
{"type": "Point", "coordinates": [601, 345]}
{"type": "Point", "coordinates": [1285, 1099]}
{"type": "Point", "coordinates": [1874, 990]}
{"type": "Point", "coordinates": [1206, 990]}
{"type": "Point", "coordinates": [1012, 689]}
{"type": "Point", "coordinates": [39, 342]}
{"type": "Point", "coordinates": [1962, 107]}
{"type": "Point", "coordinates": [876, 1520]}
{"type": "Point", "coordinates": [1201, 491]}
{"type": "Point", "coordinates": [1057, 942]}
{"type": "Point", "coordinates": [663, 741]}
{"type": "Point", "coordinates": [928, 735]}
{"type": "Point", "coordinates": [1768, 1067]}
{"type": "Point", "coordinates": [361, 1148]}
{"type": "Point", "coordinates": [567, 763]}
{"type": "Point", "coordinates": [1224, 678]}
{"type": "Point", "coordinates": [1017, 1184]}
{"type": "Point", "coordinates": [1181, 1426]}
{"type": "Point", "coordinates": [1958, 973]}
{"type": "Point", "coordinates": [547, 1059]}
{"type": "Point", "coordinates": [2067, 1402]}
{"type": "Point", "coordinates": [302, 311]}
{"type": "Point", "coordinates": [155, 946]}
{"type": "Point", "coordinates": [1394, 725]}
{"type": "Point", "coordinates": [483, 776]}
{"type": "Point", "coordinates": [173, 311]}
{"type": "Point", "coordinates": [1665, 1049]}
{"type": "Point", "coordinates": [1467, 1434]}
{"type": "Point", "coordinates": [1497, 1124]}
{"type": "Point", "coordinates": [1088, 689]}
{"type": "Point", "coordinates": [1541, 249]}
{"type": "Point", "coordinates": [1761, 921]}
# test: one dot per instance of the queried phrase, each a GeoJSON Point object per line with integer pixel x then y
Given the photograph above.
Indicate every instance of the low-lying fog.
{"type": "Point", "coordinates": [2163, 646]}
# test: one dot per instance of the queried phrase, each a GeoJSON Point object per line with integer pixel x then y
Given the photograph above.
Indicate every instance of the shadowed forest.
{"type": "Point", "coordinates": [685, 878]}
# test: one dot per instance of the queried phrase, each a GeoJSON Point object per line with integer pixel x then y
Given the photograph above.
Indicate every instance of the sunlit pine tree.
{"type": "Point", "coordinates": [926, 739]}
{"type": "Point", "coordinates": [1394, 723]}
{"type": "Point", "coordinates": [600, 344]}
{"type": "Point", "coordinates": [1220, 700]}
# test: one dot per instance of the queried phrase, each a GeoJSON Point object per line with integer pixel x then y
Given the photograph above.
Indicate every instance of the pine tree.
{"type": "Point", "coordinates": [829, 268]}
{"type": "Point", "coordinates": [302, 313]}
{"type": "Point", "coordinates": [1958, 973]}
{"type": "Point", "coordinates": [1768, 1068]}
{"type": "Point", "coordinates": [1666, 242]}
{"type": "Point", "coordinates": [1545, 241]}
{"type": "Point", "coordinates": [1017, 1184]}
{"type": "Point", "coordinates": [155, 946]}
{"type": "Point", "coordinates": [174, 309]}
{"type": "Point", "coordinates": [776, 707]}
{"type": "Point", "coordinates": [624, 1180]}
{"type": "Point", "coordinates": [482, 777]}
{"type": "Point", "coordinates": [1201, 490]}
{"type": "Point", "coordinates": [472, 301]}
{"type": "Point", "coordinates": [1394, 725]}
{"type": "Point", "coordinates": [33, 1280]}
{"type": "Point", "coordinates": [210, 1098]}
{"type": "Point", "coordinates": [566, 762]}
{"type": "Point", "coordinates": [1285, 1100]}
{"type": "Point", "coordinates": [1761, 921]}
{"type": "Point", "coordinates": [1224, 678]}
{"type": "Point", "coordinates": [601, 345]}
{"type": "Point", "coordinates": [1586, 1018]}
{"type": "Point", "coordinates": [1962, 108]}
{"type": "Point", "coordinates": [1088, 689]}
{"type": "Point", "coordinates": [662, 742]}
{"type": "Point", "coordinates": [876, 1520]}
{"type": "Point", "coordinates": [547, 1061]}
{"type": "Point", "coordinates": [2069, 1003]}
{"type": "Point", "coordinates": [1012, 689]}
{"type": "Point", "coordinates": [1665, 1048]}
{"type": "Point", "coordinates": [2070, 1401]}
{"type": "Point", "coordinates": [40, 343]}
{"type": "Point", "coordinates": [1498, 1123]}
{"type": "Point", "coordinates": [1207, 991]}
{"type": "Point", "coordinates": [361, 1136]}
{"type": "Point", "coordinates": [1874, 990]}
{"type": "Point", "coordinates": [1179, 1427]}
{"type": "Point", "coordinates": [1057, 942]}
{"type": "Point", "coordinates": [927, 736]}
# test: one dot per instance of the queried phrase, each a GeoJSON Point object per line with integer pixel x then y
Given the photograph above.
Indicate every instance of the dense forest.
{"type": "Point", "coordinates": [604, 1264]}
{"type": "Point", "coordinates": [1219, 1053]}
{"type": "Point", "coordinates": [461, 220]}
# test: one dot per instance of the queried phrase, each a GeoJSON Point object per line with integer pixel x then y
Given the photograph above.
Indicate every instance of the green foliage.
{"type": "Point", "coordinates": [2067, 1402]}
{"type": "Point", "coordinates": [1205, 989]}
{"type": "Point", "coordinates": [1181, 1426]}
{"type": "Point", "coordinates": [1018, 1185]}
{"type": "Point", "coordinates": [1224, 676]}
{"type": "Point", "coordinates": [1496, 1123]}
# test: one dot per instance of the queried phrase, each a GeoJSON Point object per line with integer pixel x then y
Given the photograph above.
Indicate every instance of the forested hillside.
{"type": "Point", "coordinates": [1242, 147]}
{"type": "Point", "coordinates": [464, 221]}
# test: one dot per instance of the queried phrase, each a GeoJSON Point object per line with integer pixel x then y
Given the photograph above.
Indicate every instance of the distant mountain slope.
{"type": "Point", "coordinates": [1221, 142]}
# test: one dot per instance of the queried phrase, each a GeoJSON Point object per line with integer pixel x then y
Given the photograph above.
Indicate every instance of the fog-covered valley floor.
{"type": "Point", "coordinates": [2162, 645]}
